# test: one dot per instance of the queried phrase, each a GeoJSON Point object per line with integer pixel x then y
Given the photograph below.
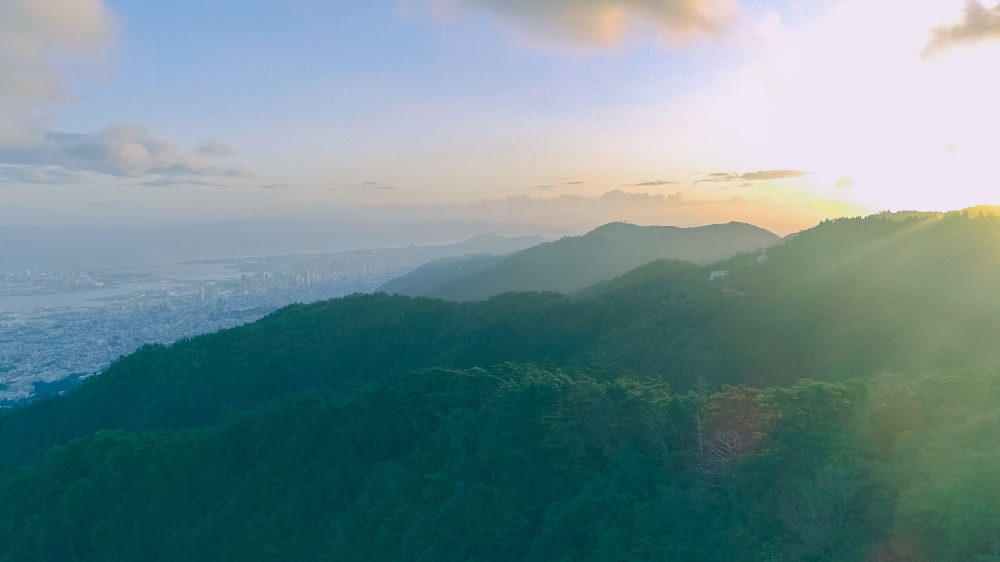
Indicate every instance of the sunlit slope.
{"type": "Point", "coordinates": [571, 264]}
{"type": "Point", "coordinates": [850, 298]}
{"type": "Point", "coordinates": [847, 298]}
{"type": "Point", "coordinates": [430, 277]}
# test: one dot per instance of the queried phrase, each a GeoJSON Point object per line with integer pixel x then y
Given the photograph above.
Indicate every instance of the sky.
{"type": "Point", "coordinates": [568, 112]}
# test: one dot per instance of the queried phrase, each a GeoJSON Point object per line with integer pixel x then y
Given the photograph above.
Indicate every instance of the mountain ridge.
{"type": "Point", "coordinates": [570, 264]}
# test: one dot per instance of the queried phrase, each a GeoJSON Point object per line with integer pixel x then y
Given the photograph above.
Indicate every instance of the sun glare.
{"type": "Point", "coordinates": [851, 97]}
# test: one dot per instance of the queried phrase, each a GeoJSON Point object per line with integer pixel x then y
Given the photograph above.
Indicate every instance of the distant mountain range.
{"type": "Point", "coordinates": [573, 263]}
{"type": "Point", "coordinates": [430, 277]}
{"type": "Point", "coordinates": [481, 252]}
{"type": "Point", "coordinates": [493, 244]}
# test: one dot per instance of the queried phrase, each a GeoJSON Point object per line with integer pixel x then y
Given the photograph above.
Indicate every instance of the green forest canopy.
{"type": "Point", "coordinates": [658, 416]}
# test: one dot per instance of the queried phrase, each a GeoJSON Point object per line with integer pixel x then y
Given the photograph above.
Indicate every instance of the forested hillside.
{"type": "Point", "coordinates": [574, 263]}
{"type": "Point", "coordinates": [666, 414]}
{"type": "Point", "coordinates": [430, 277]}
{"type": "Point", "coordinates": [524, 463]}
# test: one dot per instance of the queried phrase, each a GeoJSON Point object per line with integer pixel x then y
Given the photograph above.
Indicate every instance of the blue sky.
{"type": "Point", "coordinates": [191, 61]}
{"type": "Point", "coordinates": [449, 102]}
{"type": "Point", "coordinates": [191, 68]}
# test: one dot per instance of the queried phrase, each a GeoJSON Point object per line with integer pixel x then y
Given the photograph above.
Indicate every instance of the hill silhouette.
{"type": "Point", "coordinates": [494, 244]}
{"type": "Point", "coordinates": [573, 263]}
{"type": "Point", "coordinates": [475, 254]}
{"type": "Point", "coordinates": [431, 276]}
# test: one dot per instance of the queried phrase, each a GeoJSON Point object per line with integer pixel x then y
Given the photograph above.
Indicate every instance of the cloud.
{"type": "Point", "coordinates": [719, 177]}
{"type": "Point", "coordinates": [45, 175]}
{"type": "Point", "coordinates": [546, 187]}
{"type": "Point", "coordinates": [575, 183]}
{"type": "Point", "coordinates": [212, 148]}
{"type": "Point", "coordinates": [653, 183]}
{"type": "Point", "coordinates": [979, 24]}
{"type": "Point", "coordinates": [725, 177]}
{"type": "Point", "coordinates": [37, 40]}
{"type": "Point", "coordinates": [375, 185]}
{"type": "Point", "coordinates": [773, 175]}
{"type": "Point", "coordinates": [620, 196]}
{"type": "Point", "coordinates": [122, 150]}
{"type": "Point", "coordinates": [602, 22]}
{"type": "Point", "coordinates": [276, 186]}
{"type": "Point", "coordinates": [175, 182]}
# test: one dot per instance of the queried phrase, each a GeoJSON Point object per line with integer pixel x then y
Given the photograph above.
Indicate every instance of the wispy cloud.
{"type": "Point", "coordinates": [125, 150]}
{"type": "Point", "coordinates": [176, 182]}
{"type": "Point", "coordinates": [276, 186]}
{"type": "Point", "coordinates": [376, 185]}
{"type": "Point", "coordinates": [602, 22]}
{"type": "Point", "coordinates": [575, 183]}
{"type": "Point", "coordinates": [719, 177]}
{"type": "Point", "coordinates": [653, 183]}
{"type": "Point", "coordinates": [37, 39]}
{"type": "Point", "coordinates": [763, 175]}
{"type": "Point", "coordinates": [46, 175]}
{"type": "Point", "coordinates": [773, 175]}
{"type": "Point", "coordinates": [41, 44]}
{"type": "Point", "coordinates": [213, 148]}
{"type": "Point", "coordinates": [979, 24]}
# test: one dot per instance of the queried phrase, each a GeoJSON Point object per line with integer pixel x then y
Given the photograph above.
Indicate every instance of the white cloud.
{"type": "Point", "coordinates": [599, 22]}
{"type": "Point", "coordinates": [37, 40]}
{"type": "Point", "coordinates": [42, 42]}
{"type": "Point", "coordinates": [122, 150]}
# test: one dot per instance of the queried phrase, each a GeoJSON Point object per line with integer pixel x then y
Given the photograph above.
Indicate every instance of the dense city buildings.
{"type": "Point", "coordinates": [58, 327]}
